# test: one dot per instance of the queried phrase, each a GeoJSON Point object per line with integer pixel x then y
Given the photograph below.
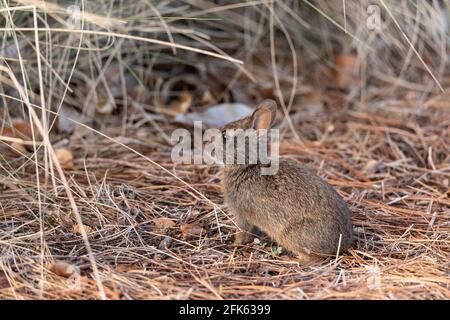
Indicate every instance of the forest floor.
{"type": "Point", "coordinates": [161, 231]}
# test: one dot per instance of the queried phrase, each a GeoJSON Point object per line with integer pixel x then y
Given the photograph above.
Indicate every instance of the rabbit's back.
{"type": "Point", "coordinates": [296, 207]}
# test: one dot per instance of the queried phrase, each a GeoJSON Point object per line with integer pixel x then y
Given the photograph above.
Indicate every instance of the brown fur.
{"type": "Point", "coordinates": [295, 207]}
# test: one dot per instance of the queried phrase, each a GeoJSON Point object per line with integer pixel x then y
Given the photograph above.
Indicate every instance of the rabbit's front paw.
{"type": "Point", "coordinates": [242, 237]}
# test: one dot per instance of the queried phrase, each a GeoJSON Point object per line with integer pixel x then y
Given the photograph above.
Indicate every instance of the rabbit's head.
{"type": "Point", "coordinates": [242, 139]}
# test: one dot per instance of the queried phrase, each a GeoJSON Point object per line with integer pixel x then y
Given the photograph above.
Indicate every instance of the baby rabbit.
{"type": "Point", "coordinates": [295, 207]}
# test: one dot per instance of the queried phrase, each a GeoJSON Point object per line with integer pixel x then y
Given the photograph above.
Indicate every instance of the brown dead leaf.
{"type": "Point", "coordinates": [62, 269]}
{"type": "Point", "coordinates": [163, 223]}
{"type": "Point", "coordinates": [65, 158]}
{"type": "Point", "coordinates": [165, 243]}
{"type": "Point", "coordinates": [77, 229]}
{"type": "Point", "coordinates": [216, 116]}
{"type": "Point", "coordinates": [348, 70]}
{"type": "Point", "coordinates": [104, 106]}
{"type": "Point", "coordinates": [19, 129]}
{"type": "Point", "coordinates": [4, 282]}
{"type": "Point", "coordinates": [165, 280]}
{"type": "Point", "coordinates": [191, 230]}
{"type": "Point", "coordinates": [81, 131]}
{"type": "Point", "coordinates": [267, 91]}
{"type": "Point", "coordinates": [181, 105]}
{"type": "Point", "coordinates": [112, 294]}
{"type": "Point", "coordinates": [8, 132]}
{"type": "Point", "coordinates": [370, 167]}
{"type": "Point", "coordinates": [129, 268]}
{"type": "Point", "coordinates": [19, 146]}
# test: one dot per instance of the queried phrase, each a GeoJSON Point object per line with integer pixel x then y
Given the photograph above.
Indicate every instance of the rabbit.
{"type": "Point", "coordinates": [295, 207]}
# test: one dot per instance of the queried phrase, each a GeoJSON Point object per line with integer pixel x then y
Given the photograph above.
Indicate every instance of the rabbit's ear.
{"type": "Point", "coordinates": [264, 115]}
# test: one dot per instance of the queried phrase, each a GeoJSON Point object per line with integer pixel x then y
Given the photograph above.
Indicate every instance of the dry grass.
{"type": "Point", "coordinates": [384, 146]}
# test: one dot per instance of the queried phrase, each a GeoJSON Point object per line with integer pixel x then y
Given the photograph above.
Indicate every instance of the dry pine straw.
{"type": "Point", "coordinates": [391, 164]}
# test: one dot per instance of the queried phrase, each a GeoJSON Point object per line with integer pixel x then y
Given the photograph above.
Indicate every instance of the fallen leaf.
{"type": "Point", "coordinates": [124, 268]}
{"type": "Point", "coordinates": [165, 243]}
{"type": "Point", "coordinates": [207, 98]}
{"type": "Point", "coordinates": [348, 71]}
{"type": "Point", "coordinates": [112, 294]}
{"type": "Point", "coordinates": [8, 132]}
{"type": "Point", "coordinates": [20, 129]}
{"type": "Point", "coordinates": [370, 167]}
{"type": "Point", "coordinates": [217, 116]}
{"type": "Point", "coordinates": [266, 90]}
{"type": "Point", "coordinates": [4, 282]}
{"type": "Point", "coordinates": [62, 269]}
{"type": "Point", "coordinates": [77, 229]}
{"type": "Point", "coordinates": [19, 146]}
{"type": "Point", "coordinates": [104, 106]}
{"type": "Point", "coordinates": [65, 158]}
{"type": "Point", "coordinates": [191, 230]}
{"type": "Point", "coordinates": [163, 223]}
{"type": "Point", "coordinates": [329, 127]}
{"type": "Point", "coordinates": [182, 105]}
{"type": "Point", "coordinates": [81, 131]}
{"type": "Point", "coordinates": [165, 279]}
{"type": "Point", "coordinates": [69, 117]}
